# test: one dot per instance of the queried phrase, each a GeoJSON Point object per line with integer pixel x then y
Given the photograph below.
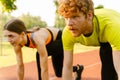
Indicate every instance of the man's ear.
{"type": "Point", "coordinates": [90, 15]}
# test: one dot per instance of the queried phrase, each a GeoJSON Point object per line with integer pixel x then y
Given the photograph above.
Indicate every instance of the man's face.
{"type": "Point", "coordinates": [76, 24]}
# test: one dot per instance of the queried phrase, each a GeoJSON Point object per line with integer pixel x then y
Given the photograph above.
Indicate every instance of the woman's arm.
{"type": "Point", "coordinates": [20, 64]}
{"type": "Point", "coordinates": [43, 59]}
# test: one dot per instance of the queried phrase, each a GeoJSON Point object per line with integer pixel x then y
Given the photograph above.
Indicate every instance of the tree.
{"type": "Point", "coordinates": [59, 20]}
{"type": "Point", "coordinates": [7, 5]}
{"type": "Point", "coordinates": [31, 21]}
{"type": "Point", "coordinates": [99, 7]}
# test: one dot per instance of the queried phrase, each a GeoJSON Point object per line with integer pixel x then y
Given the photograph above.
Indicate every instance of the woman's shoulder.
{"type": "Point", "coordinates": [45, 32]}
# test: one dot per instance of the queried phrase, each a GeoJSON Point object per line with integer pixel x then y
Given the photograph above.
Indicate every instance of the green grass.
{"type": "Point", "coordinates": [81, 48]}
{"type": "Point", "coordinates": [8, 57]}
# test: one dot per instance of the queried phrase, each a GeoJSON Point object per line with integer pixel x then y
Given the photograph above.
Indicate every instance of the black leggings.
{"type": "Point", "coordinates": [108, 71]}
{"type": "Point", "coordinates": [55, 50]}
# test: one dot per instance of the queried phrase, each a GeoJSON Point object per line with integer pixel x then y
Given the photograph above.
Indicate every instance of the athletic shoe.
{"type": "Point", "coordinates": [79, 72]}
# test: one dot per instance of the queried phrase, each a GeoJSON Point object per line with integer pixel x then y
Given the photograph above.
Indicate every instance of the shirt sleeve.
{"type": "Point", "coordinates": [68, 40]}
{"type": "Point", "coordinates": [112, 33]}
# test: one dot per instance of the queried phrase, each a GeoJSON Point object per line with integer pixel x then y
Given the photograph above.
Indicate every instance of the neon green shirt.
{"type": "Point", "coordinates": [106, 29]}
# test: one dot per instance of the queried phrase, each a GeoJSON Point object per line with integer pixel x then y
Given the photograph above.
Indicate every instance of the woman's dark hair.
{"type": "Point", "coordinates": [15, 25]}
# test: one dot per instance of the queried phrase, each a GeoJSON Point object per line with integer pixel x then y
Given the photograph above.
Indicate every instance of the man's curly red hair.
{"type": "Point", "coordinates": [69, 8]}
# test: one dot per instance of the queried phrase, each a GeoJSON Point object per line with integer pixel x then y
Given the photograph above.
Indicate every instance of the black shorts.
{"type": "Point", "coordinates": [55, 47]}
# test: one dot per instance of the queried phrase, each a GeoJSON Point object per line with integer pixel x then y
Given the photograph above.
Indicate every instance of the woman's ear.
{"type": "Point", "coordinates": [23, 34]}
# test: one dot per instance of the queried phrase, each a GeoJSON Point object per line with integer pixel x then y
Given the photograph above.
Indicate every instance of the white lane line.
{"type": "Point", "coordinates": [92, 65]}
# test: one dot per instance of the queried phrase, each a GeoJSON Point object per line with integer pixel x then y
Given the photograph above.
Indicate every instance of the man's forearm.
{"type": "Point", "coordinates": [116, 59]}
{"type": "Point", "coordinates": [67, 74]}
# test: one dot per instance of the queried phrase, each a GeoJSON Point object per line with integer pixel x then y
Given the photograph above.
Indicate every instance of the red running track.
{"type": "Point", "coordinates": [90, 60]}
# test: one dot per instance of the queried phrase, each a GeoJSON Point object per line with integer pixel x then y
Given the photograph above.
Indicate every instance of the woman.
{"type": "Point", "coordinates": [47, 41]}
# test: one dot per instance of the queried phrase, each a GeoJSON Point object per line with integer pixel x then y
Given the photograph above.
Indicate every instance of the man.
{"type": "Point", "coordinates": [91, 27]}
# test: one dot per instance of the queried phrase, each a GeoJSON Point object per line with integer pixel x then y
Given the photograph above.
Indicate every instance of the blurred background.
{"type": "Point", "coordinates": [42, 13]}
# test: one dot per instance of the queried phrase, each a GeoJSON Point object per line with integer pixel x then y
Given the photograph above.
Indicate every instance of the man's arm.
{"type": "Point", "coordinates": [67, 66]}
{"type": "Point", "coordinates": [116, 61]}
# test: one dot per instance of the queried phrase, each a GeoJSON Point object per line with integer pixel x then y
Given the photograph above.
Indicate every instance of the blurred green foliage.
{"type": "Point", "coordinates": [7, 5]}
